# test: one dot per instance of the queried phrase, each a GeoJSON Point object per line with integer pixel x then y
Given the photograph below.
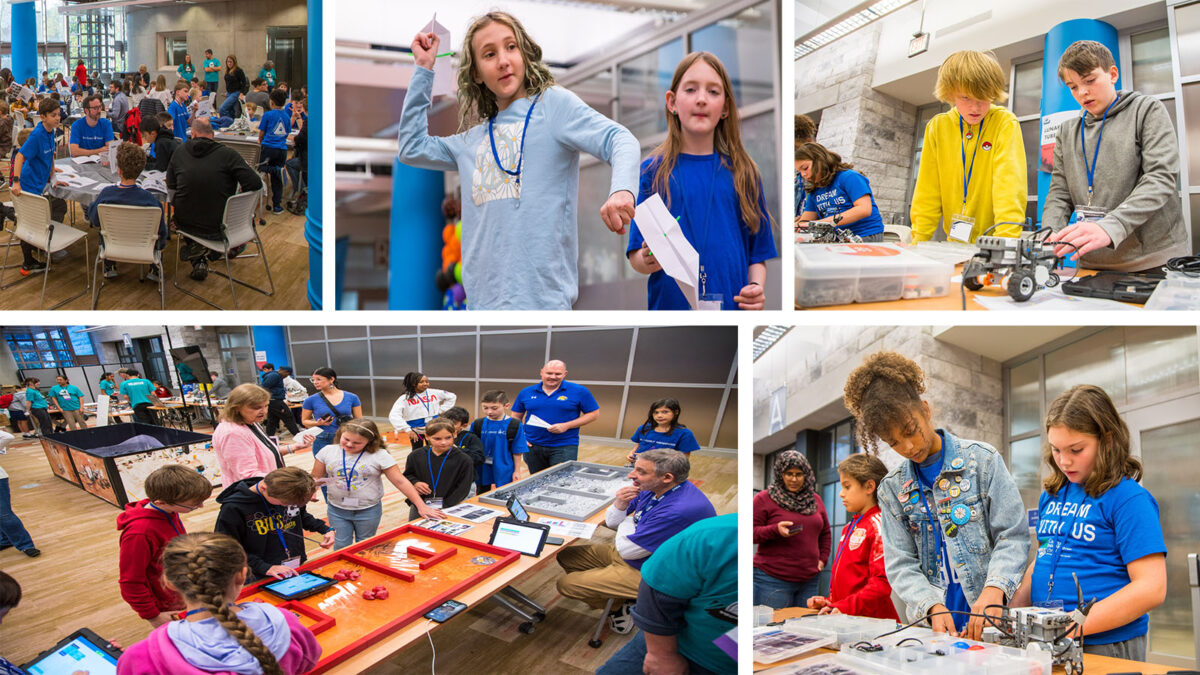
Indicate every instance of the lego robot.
{"type": "Point", "coordinates": [1046, 629]}
{"type": "Point", "coordinates": [1022, 265]}
{"type": "Point", "coordinates": [825, 232]}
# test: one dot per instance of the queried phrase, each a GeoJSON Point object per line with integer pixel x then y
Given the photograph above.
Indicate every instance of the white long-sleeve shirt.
{"type": "Point", "coordinates": [620, 521]}
{"type": "Point", "coordinates": [424, 406]}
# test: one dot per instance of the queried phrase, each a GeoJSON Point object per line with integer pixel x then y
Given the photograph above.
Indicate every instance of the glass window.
{"type": "Point", "coordinates": [728, 431]}
{"type": "Point", "coordinates": [1191, 111]}
{"type": "Point", "coordinates": [759, 135]}
{"type": "Point", "coordinates": [701, 355]}
{"type": "Point", "coordinates": [1024, 463]}
{"type": "Point", "coordinates": [305, 333]}
{"type": "Point", "coordinates": [597, 92]}
{"type": "Point", "coordinates": [519, 356]}
{"type": "Point", "coordinates": [1098, 359]}
{"type": "Point", "coordinates": [393, 330]}
{"type": "Point", "coordinates": [309, 357]}
{"type": "Point", "coordinates": [1024, 397]}
{"type": "Point", "coordinates": [593, 354]}
{"type": "Point", "coordinates": [1027, 89]}
{"type": "Point", "coordinates": [393, 358]}
{"type": "Point", "coordinates": [350, 358]}
{"type": "Point", "coordinates": [643, 86]}
{"type": "Point", "coordinates": [1160, 360]}
{"type": "Point", "coordinates": [609, 400]}
{"type": "Point", "coordinates": [1031, 139]}
{"type": "Point", "coordinates": [603, 259]}
{"type": "Point", "coordinates": [843, 442]}
{"type": "Point", "coordinates": [744, 44]}
{"type": "Point", "coordinates": [362, 389]}
{"type": "Point", "coordinates": [449, 356]}
{"type": "Point", "coordinates": [1175, 490]}
{"type": "Point", "coordinates": [175, 48]}
{"type": "Point", "coordinates": [1187, 30]}
{"type": "Point", "coordinates": [1152, 62]}
{"type": "Point", "coordinates": [337, 332]}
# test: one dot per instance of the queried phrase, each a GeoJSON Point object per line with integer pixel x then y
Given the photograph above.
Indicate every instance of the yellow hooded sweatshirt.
{"type": "Point", "coordinates": [998, 189]}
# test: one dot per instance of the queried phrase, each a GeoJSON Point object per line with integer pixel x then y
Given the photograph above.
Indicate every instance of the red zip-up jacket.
{"type": "Point", "coordinates": [144, 534]}
{"type": "Point", "coordinates": [859, 584]}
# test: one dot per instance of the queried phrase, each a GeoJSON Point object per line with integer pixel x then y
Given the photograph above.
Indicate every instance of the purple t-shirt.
{"type": "Point", "coordinates": [658, 522]}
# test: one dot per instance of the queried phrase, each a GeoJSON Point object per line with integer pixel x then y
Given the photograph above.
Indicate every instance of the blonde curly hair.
{"type": "Point", "coordinates": [475, 101]}
{"type": "Point", "coordinates": [883, 392]}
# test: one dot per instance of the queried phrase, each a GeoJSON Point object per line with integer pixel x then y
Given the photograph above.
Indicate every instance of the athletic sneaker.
{"type": "Point", "coordinates": [277, 210]}
{"type": "Point", "coordinates": [26, 270]}
{"type": "Point", "coordinates": [152, 276]}
{"type": "Point", "coordinates": [199, 270]}
{"type": "Point", "coordinates": [621, 619]}
{"type": "Point", "coordinates": [110, 271]}
{"type": "Point", "coordinates": [32, 552]}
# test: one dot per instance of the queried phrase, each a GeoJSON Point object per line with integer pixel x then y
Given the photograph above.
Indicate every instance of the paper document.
{"type": "Point", "coordinates": [1053, 300]}
{"type": "Point", "coordinates": [535, 421]}
{"type": "Point", "coordinates": [671, 249]}
{"type": "Point", "coordinates": [90, 159]}
{"type": "Point", "coordinates": [443, 69]}
{"type": "Point", "coordinates": [204, 107]}
{"type": "Point", "coordinates": [472, 512]}
{"type": "Point", "coordinates": [74, 180]}
{"type": "Point", "coordinates": [443, 526]}
{"type": "Point", "coordinates": [569, 528]}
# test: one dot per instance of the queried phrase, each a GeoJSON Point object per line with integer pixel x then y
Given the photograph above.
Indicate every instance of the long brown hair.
{"type": "Point", "coordinates": [475, 101]}
{"type": "Point", "coordinates": [727, 141]}
{"type": "Point", "coordinates": [1087, 409]}
{"type": "Point", "coordinates": [201, 566]}
{"type": "Point", "coordinates": [825, 163]}
{"type": "Point", "coordinates": [229, 58]}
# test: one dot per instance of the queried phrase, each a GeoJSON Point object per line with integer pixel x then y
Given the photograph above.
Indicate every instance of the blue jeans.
{"type": "Point", "coordinates": [230, 107]}
{"type": "Point", "coordinates": [294, 168]}
{"type": "Point", "coordinates": [777, 593]}
{"type": "Point", "coordinates": [272, 162]}
{"type": "Point", "coordinates": [542, 457]}
{"type": "Point", "coordinates": [12, 530]}
{"type": "Point", "coordinates": [628, 660]}
{"type": "Point", "coordinates": [210, 86]}
{"type": "Point", "coordinates": [351, 526]}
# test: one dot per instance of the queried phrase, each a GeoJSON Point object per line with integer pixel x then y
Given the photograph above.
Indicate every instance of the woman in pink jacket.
{"type": "Point", "coordinates": [216, 635]}
{"type": "Point", "coordinates": [244, 450]}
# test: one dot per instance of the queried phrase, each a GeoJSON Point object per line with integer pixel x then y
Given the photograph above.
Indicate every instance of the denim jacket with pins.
{"type": "Point", "coordinates": [976, 495]}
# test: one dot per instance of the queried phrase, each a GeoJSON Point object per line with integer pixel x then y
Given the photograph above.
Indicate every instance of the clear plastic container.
{"type": "Point", "coordinates": [952, 656]}
{"type": "Point", "coordinates": [838, 274]}
{"type": "Point", "coordinates": [1177, 291]}
{"type": "Point", "coordinates": [845, 629]}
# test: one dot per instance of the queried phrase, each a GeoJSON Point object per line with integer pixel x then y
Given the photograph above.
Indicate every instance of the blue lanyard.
{"type": "Point", "coordinates": [1062, 538]}
{"type": "Point", "coordinates": [937, 530]}
{"type": "Point", "coordinates": [353, 466]}
{"type": "Point", "coordinates": [168, 515]}
{"type": "Point", "coordinates": [651, 503]}
{"type": "Point", "coordinates": [429, 455]}
{"type": "Point", "coordinates": [700, 243]}
{"type": "Point", "coordinates": [271, 516]}
{"type": "Point", "coordinates": [521, 152]}
{"type": "Point", "coordinates": [968, 171]}
{"type": "Point", "coordinates": [847, 532]}
{"type": "Point", "coordinates": [1091, 170]}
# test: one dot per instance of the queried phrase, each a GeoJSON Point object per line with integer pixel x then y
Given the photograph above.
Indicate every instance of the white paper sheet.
{"type": "Point", "coordinates": [671, 249]}
{"type": "Point", "coordinates": [443, 526]}
{"type": "Point", "coordinates": [90, 159]}
{"type": "Point", "coordinates": [472, 512]}
{"type": "Point", "coordinates": [569, 528]}
{"type": "Point", "coordinates": [1052, 300]}
{"type": "Point", "coordinates": [535, 421]}
{"type": "Point", "coordinates": [443, 69]}
{"type": "Point", "coordinates": [203, 107]}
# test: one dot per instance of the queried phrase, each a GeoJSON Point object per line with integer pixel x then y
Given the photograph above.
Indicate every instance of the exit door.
{"type": "Point", "coordinates": [287, 47]}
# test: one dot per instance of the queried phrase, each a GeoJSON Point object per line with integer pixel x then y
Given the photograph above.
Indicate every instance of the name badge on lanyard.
{"type": "Point", "coordinates": [1089, 213]}
{"type": "Point", "coordinates": [962, 225]}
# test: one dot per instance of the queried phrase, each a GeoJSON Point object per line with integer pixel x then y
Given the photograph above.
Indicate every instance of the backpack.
{"type": "Point", "coordinates": [133, 122]}
{"type": "Point", "coordinates": [511, 433]}
{"type": "Point", "coordinates": [6, 400]}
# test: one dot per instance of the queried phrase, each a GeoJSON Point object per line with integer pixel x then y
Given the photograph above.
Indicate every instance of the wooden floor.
{"type": "Point", "coordinates": [74, 582]}
{"type": "Point", "coordinates": [283, 237]}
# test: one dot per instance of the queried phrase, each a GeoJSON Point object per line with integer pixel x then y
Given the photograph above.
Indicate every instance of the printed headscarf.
{"type": "Point", "coordinates": [805, 500]}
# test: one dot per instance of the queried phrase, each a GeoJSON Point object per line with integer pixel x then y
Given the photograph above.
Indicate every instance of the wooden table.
{"type": "Point", "coordinates": [1092, 664]}
{"type": "Point", "coordinates": [510, 575]}
{"type": "Point", "coordinates": [951, 301]}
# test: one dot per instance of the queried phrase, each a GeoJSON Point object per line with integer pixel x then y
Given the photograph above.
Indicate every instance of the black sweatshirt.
{"type": "Point", "coordinates": [456, 475]}
{"type": "Point", "coordinates": [248, 517]}
{"type": "Point", "coordinates": [204, 174]}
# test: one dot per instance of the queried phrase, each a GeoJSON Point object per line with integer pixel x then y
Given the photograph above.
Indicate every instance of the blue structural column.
{"type": "Point", "coordinates": [1057, 102]}
{"type": "Point", "coordinates": [24, 40]}
{"type": "Point", "coordinates": [272, 340]}
{"type": "Point", "coordinates": [313, 230]}
{"type": "Point", "coordinates": [415, 239]}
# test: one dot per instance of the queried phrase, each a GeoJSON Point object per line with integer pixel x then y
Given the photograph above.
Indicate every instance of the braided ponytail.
{"type": "Point", "coordinates": [201, 567]}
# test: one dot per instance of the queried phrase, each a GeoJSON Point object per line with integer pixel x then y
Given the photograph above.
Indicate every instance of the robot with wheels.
{"type": "Point", "coordinates": [1023, 265]}
{"type": "Point", "coordinates": [1044, 628]}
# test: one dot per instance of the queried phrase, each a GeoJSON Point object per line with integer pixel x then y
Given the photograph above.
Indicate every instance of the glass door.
{"type": "Point", "coordinates": [1164, 436]}
{"type": "Point", "coordinates": [286, 48]}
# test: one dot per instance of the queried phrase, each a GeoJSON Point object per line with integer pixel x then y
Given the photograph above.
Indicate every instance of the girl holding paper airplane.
{"type": "Point", "coordinates": [713, 189]}
{"type": "Point", "coordinates": [519, 159]}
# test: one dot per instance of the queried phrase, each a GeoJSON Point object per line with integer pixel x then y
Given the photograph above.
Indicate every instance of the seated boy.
{"type": "Point", "coordinates": [146, 526]}
{"type": "Point", "coordinates": [162, 145]}
{"type": "Point", "coordinates": [267, 516]}
{"type": "Point", "coordinates": [503, 442]}
{"type": "Point", "coordinates": [131, 159]}
{"type": "Point", "coordinates": [1113, 202]}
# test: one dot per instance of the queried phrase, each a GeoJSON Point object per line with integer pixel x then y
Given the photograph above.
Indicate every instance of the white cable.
{"type": "Point", "coordinates": [429, 634]}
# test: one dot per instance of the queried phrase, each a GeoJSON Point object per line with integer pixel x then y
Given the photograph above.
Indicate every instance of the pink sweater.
{"type": "Point", "coordinates": [157, 654]}
{"type": "Point", "coordinates": [240, 454]}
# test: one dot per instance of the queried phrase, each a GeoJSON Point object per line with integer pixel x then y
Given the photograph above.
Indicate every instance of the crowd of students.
{"type": "Point", "coordinates": [946, 529]}
{"type": "Point", "coordinates": [1110, 215]}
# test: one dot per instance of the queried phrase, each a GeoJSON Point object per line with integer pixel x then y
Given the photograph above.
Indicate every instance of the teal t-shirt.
{"type": "Point", "coordinates": [139, 390]}
{"type": "Point", "coordinates": [69, 397]}
{"type": "Point", "coordinates": [107, 387]}
{"type": "Point", "coordinates": [700, 565]}
{"type": "Point", "coordinates": [211, 76]}
{"type": "Point", "coordinates": [35, 398]}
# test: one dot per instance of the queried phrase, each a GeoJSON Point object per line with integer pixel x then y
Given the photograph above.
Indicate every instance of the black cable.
{"type": "Point", "coordinates": [1188, 265]}
{"type": "Point", "coordinates": [916, 640]}
{"type": "Point", "coordinates": [987, 617]}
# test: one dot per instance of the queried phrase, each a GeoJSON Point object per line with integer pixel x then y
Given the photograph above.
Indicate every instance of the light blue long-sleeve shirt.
{"type": "Point", "coordinates": [520, 245]}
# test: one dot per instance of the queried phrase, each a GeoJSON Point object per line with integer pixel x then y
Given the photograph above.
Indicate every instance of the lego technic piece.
{"type": "Point", "coordinates": [1022, 265]}
{"type": "Point", "coordinates": [825, 232]}
{"type": "Point", "coordinates": [947, 655]}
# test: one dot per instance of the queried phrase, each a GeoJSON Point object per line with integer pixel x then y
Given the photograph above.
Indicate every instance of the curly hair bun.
{"type": "Point", "coordinates": [891, 366]}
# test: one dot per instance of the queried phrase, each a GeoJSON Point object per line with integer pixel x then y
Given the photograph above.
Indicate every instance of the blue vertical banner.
{"type": "Point", "coordinates": [24, 40]}
{"type": "Point", "coordinates": [270, 344]}
{"type": "Point", "coordinates": [1057, 103]}
{"type": "Point", "coordinates": [313, 230]}
{"type": "Point", "coordinates": [415, 237]}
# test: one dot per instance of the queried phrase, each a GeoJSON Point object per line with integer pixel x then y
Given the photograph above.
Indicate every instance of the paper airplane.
{"type": "Point", "coordinates": [443, 69]}
{"type": "Point", "coordinates": [671, 249]}
{"type": "Point", "coordinates": [535, 421]}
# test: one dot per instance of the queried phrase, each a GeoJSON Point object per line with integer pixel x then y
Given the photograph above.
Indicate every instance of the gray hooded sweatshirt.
{"type": "Point", "coordinates": [1136, 179]}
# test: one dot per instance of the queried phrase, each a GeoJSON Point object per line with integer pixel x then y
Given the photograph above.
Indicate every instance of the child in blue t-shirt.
{"type": "Point", "coordinates": [1095, 521]}
{"type": "Point", "coordinates": [663, 430]}
{"type": "Point", "coordinates": [273, 132]}
{"type": "Point", "coordinates": [503, 442]}
{"type": "Point", "coordinates": [839, 194]}
{"type": "Point", "coordinates": [712, 187]}
{"type": "Point", "coordinates": [33, 169]}
{"type": "Point", "coordinates": [179, 112]}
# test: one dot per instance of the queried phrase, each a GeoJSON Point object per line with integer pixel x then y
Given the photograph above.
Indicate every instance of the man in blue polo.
{"type": "Point", "coordinates": [140, 393]}
{"type": "Point", "coordinates": [556, 410]}
{"type": "Point", "coordinates": [91, 133]}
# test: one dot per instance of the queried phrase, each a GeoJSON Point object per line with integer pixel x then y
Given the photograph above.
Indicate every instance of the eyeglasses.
{"type": "Point", "coordinates": [187, 507]}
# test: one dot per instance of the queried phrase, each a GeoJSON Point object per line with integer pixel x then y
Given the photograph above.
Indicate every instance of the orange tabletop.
{"type": "Point", "coordinates": [1092, 664]}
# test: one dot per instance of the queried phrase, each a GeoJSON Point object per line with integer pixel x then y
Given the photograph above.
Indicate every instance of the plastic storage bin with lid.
{"type": "Point", "coordinates": [839, 274]}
